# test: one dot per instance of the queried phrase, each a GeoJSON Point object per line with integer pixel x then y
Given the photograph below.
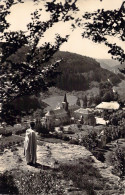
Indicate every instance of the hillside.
{"type": "Point", "coordinates": [116, 68]}
{"type": "Point", "coordinates": [107, 63]}
{"type": "Point", "coordinates": [111, 65]}
{"type": "Point", "coordinates": [120, 88]}
{"type": "Point", "coordinates": [79, 72]}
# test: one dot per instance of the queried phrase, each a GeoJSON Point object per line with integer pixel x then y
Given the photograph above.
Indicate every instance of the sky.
{"type": "Point", "coordinates": [20, 16]}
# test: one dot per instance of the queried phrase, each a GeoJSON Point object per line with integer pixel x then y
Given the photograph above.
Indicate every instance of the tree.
{"type": "Point", "coordinates": [100, 24]}
{"type": "Point", "coordinates": [97, 99]}
{"type": "Point", "coordinates": [31, 75]}
{"type": "Point", "coordinates": [84, 101]}
{"type": "Point", "coordinates": [90, 102]}
{"type": "Point", "coordinates": [106, 92]}
{"type": "Point", "coordinates": [78, 102]}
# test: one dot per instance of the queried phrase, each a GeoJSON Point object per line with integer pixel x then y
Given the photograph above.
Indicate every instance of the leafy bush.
{"type": "Point", "coordinates": [65, 138]}
{"type": "Point", "coordinates": [118, 161]}
{"type": "Point", "coordinates": [43, 182]}
{"type": "Point", "coordinates": [7, 185]}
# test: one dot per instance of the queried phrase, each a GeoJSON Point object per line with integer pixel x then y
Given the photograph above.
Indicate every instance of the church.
{"type": "Point", "coordinates": [67, 114]}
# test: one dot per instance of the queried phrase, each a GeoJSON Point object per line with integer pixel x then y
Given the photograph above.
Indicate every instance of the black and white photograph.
{"type": "Point", "coordinates": [62, 97]}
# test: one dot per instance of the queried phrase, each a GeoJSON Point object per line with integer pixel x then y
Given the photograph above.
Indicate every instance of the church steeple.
{"type": "Point", "coordinates": [65, 103]}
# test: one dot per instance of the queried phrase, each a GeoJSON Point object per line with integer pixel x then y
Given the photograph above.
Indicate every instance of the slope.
{"type": "Point", "coordinates": [79, 72]}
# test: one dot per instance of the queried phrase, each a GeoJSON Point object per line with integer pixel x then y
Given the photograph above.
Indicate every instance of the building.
{"type": "Point", "coordinates": [101, 121]}
{"type": "Point", "coordinates": [65, 113]}
{"type": "Point", "coordinates": [86, 116]}
{"type": "Point", "coordinates": [113, 105]}
{"type": "Point", "coordinates": [58, 116]}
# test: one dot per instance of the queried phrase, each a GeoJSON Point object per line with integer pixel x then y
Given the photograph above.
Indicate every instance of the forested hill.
{"type": "Point", "coordinates": [78, 72]}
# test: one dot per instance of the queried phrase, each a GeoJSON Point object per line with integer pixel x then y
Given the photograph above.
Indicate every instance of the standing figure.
{"type": "Point", "coordinates": [30, 145]}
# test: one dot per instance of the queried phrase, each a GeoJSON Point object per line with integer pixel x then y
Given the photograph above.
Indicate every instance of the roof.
{"type": "Point", "coordinates": [59, 111]}
{"type": "Point", "coordinates": [108, 105]}
{"type": "Point", "coordinates": [74, 107]}
{"type": "Point", "coordinates": [100, 121]}
{"type": "Point", "coordinates": [49, 113]}
{"type": "Point", "coordinates": [55, 112]}
{"type": "Point", "coordinates": [82, 111]}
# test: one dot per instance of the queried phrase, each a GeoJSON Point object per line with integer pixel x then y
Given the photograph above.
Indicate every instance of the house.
{"type": "Point", "coordinates": [86, 116]}
{"type": "Point", "coordinates": [56, 117]}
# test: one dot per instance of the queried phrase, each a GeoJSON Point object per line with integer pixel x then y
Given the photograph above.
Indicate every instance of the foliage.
{"type": "Point", "coordinates": [106, 91]}
{"type": "Point", "coordinates": [78, 102]}
{"type": "Point", "coordinates": [90, 141]}
{"type": "Point", "coordinates": [7, 185]}
{"type": "Point", "coordinates": [90, 101]}
{"type": "Point", "coordinates": [83, 175]}
{"type": "Point", "coordinates": [41, 129]}
{"type": "Point", "coordinates": [30, 76]}
{"type": "Point", "coordinates": [27, 77]}
{"type": "Point", "coordinates": [84, 99]}
{"type": "Point", "coordinates": [100, 24]}
{"type": "Point", "coordinates": [97, 99]}
{"type": "Point", "coordinates": [81, 71]}
{"type": "Point", "coordinates": [118, 160]}
{"type": "Point", "coordinates": [61, 128]}
{"type": "Point", "coordinates": [44, 182]}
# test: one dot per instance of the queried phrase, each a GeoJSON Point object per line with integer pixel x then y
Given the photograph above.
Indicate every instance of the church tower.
{"type": "Point", "coordinates": [65, 103]}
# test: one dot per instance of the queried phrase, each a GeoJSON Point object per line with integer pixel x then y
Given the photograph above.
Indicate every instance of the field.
{"type": "Point", "coordinates": [54, 101]}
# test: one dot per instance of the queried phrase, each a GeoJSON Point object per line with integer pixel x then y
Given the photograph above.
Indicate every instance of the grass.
{"type": "Point", "coordinates": [81, 173]}
{"type": "Point", "coordinates": [7, 142]}
{"type": "Point", "coordinates": [84, 176]}
{"type": "Point", "coordinates": [53, 101]}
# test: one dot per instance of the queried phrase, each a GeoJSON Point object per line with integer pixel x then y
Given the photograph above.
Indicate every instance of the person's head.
{"type": "Point", "coordinates": [32, 125]}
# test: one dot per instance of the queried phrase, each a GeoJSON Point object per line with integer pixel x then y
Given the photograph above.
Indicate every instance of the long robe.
{"type": "Point", "coordinates": [30, 146]}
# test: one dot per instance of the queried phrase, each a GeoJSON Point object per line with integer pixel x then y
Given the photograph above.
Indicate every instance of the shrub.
{"type": "Point", "coordinates": [61, 128]}
{"type": "Point", "coordinates": [7, 185]}
{"type": "Point", "coordinates": [65, 138]}
{"type": "Point", "coordinates": [74, 141]}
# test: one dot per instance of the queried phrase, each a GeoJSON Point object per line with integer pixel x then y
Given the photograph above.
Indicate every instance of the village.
{"type": "Point", "coordinates": [74, 123]}
{"type": "Point", "coordinates": [84, 133]}
{"type": "Point", "coordinates": [62, 101]}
